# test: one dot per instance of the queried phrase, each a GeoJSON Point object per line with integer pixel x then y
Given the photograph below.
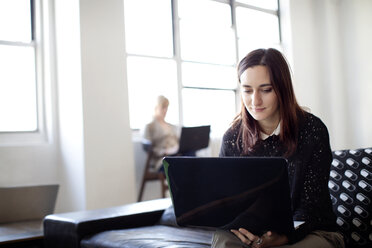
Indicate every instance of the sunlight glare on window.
{"type": "Point", "coordinates": [18, 107]}
{"type": "Point", "coordinates": [208, 76]}
{"type": "Point", "coordinates": [15, 20]}
{"type": "Point", "coordinates": [256, 30]}
{"type": "Point", "coordinates": [206, 37]}
{"type": "Point", "coordinates": [148, 78]}
{"type": "Point", "coordinates": [209, 107]}
{"type": "Point", "coordinates": [148, 27]}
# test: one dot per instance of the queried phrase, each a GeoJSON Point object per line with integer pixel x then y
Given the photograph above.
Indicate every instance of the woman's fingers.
{"type": "Point", "coordinates": [248, 234]}
{"type": "Point", "coordinates": [269, 233]}
{"type": "Point", "coordinates": [242, 237]}
{"type": "Point", "coordinates": [269, 239]}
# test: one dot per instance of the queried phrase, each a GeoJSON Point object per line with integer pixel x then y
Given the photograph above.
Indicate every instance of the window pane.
{"type": "Point", "coordinates": [208, 76]}
{"type": "Point", "coordinates": [148, 27]}
{"type": "Point", "coordinates": [206, 38]}
{"type": "Point", "coordinates": [256, 29]}
{"type": "Point", "coordinates": [266, 4]}
{"type": "Point", "coordinates": [18, 109]}
{"type": "Point", "coordinates": [209, 107]}
{"type": "Point", "coordinates": [15, 20]}
{"type": "Point", "coordinates": [148, 78]}
{"type": "Point", "coordinates": [245, 47]}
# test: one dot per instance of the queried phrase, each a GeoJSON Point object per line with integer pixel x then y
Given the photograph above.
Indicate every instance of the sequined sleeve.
{"type": "Point", "coordinates": [229, 147]}
{"type": "Point", "coordinates": [314, 204]}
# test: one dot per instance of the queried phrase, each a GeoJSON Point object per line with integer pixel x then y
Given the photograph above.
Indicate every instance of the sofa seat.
{"type": "Point", "coordinates": [146, 237]}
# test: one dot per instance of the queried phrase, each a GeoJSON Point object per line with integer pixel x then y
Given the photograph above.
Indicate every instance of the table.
{"type": "Point", "coordinates": [22, 234]}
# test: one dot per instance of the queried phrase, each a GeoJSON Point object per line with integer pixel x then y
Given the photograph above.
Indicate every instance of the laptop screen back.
{"type": "Point", "coordinates": [230, 192]}
{"type": "Point", "coordinates": [194, 138]}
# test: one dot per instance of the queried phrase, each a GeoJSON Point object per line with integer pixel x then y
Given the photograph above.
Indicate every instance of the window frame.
{"type": "Point", "coordinates": [42, 135]}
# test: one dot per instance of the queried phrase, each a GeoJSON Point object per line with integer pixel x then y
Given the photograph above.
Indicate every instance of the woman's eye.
{"type": "Point", "coordinates": [267, 90]}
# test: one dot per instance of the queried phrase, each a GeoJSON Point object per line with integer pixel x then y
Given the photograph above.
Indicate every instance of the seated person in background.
{"type": "Point", "coordinates": [161, 135]}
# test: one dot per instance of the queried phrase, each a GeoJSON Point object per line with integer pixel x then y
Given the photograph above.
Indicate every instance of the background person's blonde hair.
{"type": "Point", "coordinates": [162, 101]}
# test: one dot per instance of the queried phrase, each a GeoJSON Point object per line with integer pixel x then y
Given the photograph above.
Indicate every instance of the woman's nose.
{"type": "Point", "coordinates": [256, 99]}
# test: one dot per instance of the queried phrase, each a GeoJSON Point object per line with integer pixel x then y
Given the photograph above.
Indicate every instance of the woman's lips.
{"type": "Point", "coordinates": [258, 109]}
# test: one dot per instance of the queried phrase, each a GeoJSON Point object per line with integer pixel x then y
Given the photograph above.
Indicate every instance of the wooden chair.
{"type": "Point", "coordinates": [149, 175]}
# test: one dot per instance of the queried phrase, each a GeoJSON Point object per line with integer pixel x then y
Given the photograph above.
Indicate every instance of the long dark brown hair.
{"type": "Point", "coordinates": [290, 111]}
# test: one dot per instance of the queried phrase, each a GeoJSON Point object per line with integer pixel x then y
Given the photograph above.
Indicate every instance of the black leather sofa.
{"type": "Point", "coordinates": [143, 224]}
{"type": "Point", "coordinates": [150, 224]}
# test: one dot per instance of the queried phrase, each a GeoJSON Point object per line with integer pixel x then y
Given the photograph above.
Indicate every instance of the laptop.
{"type": "Point", "coordinates": [24, 203]}
{"type": "Point", "coordinates": [230, 192]}
{"type": "Point", "coordinates": [193, 139]}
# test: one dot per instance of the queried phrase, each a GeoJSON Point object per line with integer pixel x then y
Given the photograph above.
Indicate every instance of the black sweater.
{"type": "Point", "coordinates": [308, 171]}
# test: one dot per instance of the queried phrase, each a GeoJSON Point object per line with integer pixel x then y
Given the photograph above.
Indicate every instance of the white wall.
{"type": "Point", "coordinates": [70, 118]}
{"type": "Point", "coordinates": [332, 66]}
{"type": "Point", "coordinates": [357, 67]}
{"type": "Point", "coordinates": [97, 165]}
{"type": "Point", "coordinates": [96, 150]}
{"type": "Point", "coordinates": [109, 162]}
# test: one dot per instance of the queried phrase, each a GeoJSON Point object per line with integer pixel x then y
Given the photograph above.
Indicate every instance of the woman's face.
{"type": "Point", "coordinates": [161, 110]}
{"type": "Point", "coordinates": [258, 95]}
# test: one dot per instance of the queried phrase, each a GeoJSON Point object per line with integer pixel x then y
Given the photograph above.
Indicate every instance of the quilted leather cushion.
{"type": "Point", "coordinates": [151, 236]}
{"type": "Point", "coordinates": [351, 193]}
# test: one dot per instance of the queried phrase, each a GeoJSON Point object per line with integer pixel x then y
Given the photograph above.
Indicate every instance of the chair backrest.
{"type": "Point", "coordinates": [351, 193]}
{"type": "Point", "coordinates": [148, 174]}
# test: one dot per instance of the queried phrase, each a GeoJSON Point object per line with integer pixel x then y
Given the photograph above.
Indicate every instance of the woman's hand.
{"type": "Point", "coordinates": [268, 239]}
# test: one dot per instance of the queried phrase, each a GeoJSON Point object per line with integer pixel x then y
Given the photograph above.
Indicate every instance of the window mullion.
{"type": "Point", "coordinates": [208, 88]}
{"type": "Point", "coordinates": [279, 22]}
{"type": "Point", "coordinates": [177, 56]}
{"type": "Point", "coordinates": [233, 21]}
{"type": "Point", "coordinates": [269, 11]}
{"type": "Point", "coordinates": [18, 43]}
{"type": "Point", "coordinates": [233, 17]}
{"type": "Point", "coordinates": [32, 14]}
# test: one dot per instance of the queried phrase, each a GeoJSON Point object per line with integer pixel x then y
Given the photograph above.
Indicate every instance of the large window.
{"type": "Point", "coordinates": [18, 85]}
{"type": "Point", "coordinates": [187, 50]}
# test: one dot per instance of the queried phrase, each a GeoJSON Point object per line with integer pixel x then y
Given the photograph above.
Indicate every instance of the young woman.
{"type": "Point", "coordinates": [271, 123]}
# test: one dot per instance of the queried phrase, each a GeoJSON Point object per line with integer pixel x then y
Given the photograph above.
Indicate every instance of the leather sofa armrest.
{"type": "Point", "coordinates": [67, 229]}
